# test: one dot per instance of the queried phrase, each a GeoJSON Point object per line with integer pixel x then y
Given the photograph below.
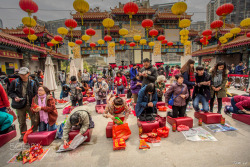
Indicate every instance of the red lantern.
{"type": "Point", "coordinates": [50, 44]}
{"type": "Point", "coordinates": [130, 9]}
{"type": "Point", "coordinates": [107, 38]}
{"type": "Point", "coordinates": [248, 35]}
{"type": "Point", "coordinates": [216, 24]}
{"type": "Point", "coordinates": [92, 45]}
{"type": "Point", "coordinates": [224, 10]}
{"type": "Point", "coordinates": [206, 32]}
{"type": "Point", "coordinates": [147, 23]}
{"type": "Point", "coordinates": [78, 42]}
{"type": "Point", "coordinates": [153, 33]}
{"type": "Point", "coordinates": [205, 43]}
{"type": "Point", "coordinates": [170, 43]}
{"type": "Point", "coordinates": [164, 42]}
{"type": "Point", "coordinates": [132, 44]}
{"type": "Point", "coordinates": [58, 38]}
{"type": "Point", "coordinates": [90, 32]}
{"type": "Point", "coordinates": [161, 38]}
{"type": "Point", "coordinates": [71, 24]}
{"type": "Point", "coordinates": [28, 6]}
{"type": "Point", "coordinates": [28, 31]}
{"type": "Point", "coordinates": [209, 37]}
{"type": "Point", "coordinates": [202, 40]}
{"type": "Point", "coordinates": [123, 42]}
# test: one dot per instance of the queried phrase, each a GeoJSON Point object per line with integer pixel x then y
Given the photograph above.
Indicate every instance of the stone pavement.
{"type": "Point", "coordinates": [231, 149]}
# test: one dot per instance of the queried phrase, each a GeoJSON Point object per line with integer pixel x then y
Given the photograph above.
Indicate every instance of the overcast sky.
{"type": "Point", "coordinates": [13, 17]}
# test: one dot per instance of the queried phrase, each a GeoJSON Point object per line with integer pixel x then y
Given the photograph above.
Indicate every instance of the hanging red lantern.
{"type": "Point", "coordinates": [170, 43]}
{"type": "Point", "coordinates": [224, 10]}
{"type": "Point", "coordinates": [58, 38]}
{"type": "Point", "coordinates": [153, 33]}
{"type": "Point", "coordinates": [71, 24]}
{"type": "Point", "coordinates": [50, 44]}
{"type": "Point", "coordinates": [161, 38]}
{"type": "Point", "coordinates": [205, 43]}
{"type": "Point", "coordinates": [78, 42]}
{"type": "Point", "coordinates": [209, 37]}
{"type": "Point", "coordinates": [130, 9]}
{"type": "Point", "coordinates": [90, 32]}
{"type": "Point", "coordinates": [206, 32]}
{"type": "Point", "coordinates": [107, 38]}
{"type": "Point", "coordinates": [28, 6]}
{"type": "Point", "coordinates": [132, 44]}
{"type": "Point", "coordinates": [92, 45]}
{"type": "Point", "coordinates": [164, 42]}
{"type": "Point", "coordinates": [123, 42]}
{"type": "Point", "coordinates": [216, 24]}
{"type": "Point", "coordinates": [202, 40]}
{"type": "Point", "coordinates": [147, 23]}
{"type": "Point", "coordinates": [28, 31]}
{"type": "Point", "coordinates": [248, 35]}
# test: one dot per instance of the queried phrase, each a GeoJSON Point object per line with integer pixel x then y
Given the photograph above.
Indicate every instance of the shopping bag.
{"type": "Point", "coordinates": [67, 110]}
{"type": "Point", "coordinates": [121, 131]}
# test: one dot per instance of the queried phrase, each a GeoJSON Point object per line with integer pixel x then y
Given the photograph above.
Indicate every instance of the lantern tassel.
{"type": "Point", "coordinates": [130, 17]}
{"type": "Point", "coordinates": [82, 18]}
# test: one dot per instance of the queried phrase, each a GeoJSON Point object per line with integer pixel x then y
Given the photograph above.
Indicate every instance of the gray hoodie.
{"type": "Point", "coordinates": [152, 75]}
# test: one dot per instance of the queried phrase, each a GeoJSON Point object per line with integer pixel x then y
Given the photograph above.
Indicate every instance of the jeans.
{"type": "Point", "coordinates": [75, 101]}
{"type": "Point", "coordinates": [44, 127]}
{"type": "Point", "coordinates": [179, 111]}
{"type": "Point", "coordinates": [233, 109]}
{"type": "Point", "coordinates": [111, 86]}
{"type": "Point", "coordinates": [120, 92]}
{"type": "Point", "coordinates": [98, 102]}
{"type": "Point", "coordinates": [204, 102]}
{"type": "Point", "coordinates": [3, 109]}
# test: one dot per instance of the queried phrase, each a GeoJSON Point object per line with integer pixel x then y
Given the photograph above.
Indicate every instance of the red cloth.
{"type": "Point", "coordinates": [4, 101]}
{"type": "Point", "coordinates": [191, 77]}
{"type": "Point", "coordinates": [242, 102]}
{"type": "Point", "coordinates": [175, 72]}
{"type": "Point", "coordinates": [120, 81]}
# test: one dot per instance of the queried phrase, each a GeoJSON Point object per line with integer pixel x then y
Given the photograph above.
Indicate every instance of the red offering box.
{"type": "Point", "coordinates": [44, 138]}
{"type": "Point", "coordinates": [148, 127]}
{"type": "Point", "coordinates": [188, 121]}
{"type": "Point", "coordinates": [100, 108]}
{"type": "Point", "coordinates": [5, 138]}
{"type": "Point", "coordinates": [242, 117]}
{"type": "Point", "coordinates": [160, 103]}
{"type": "Point", "coordinates": [208, 118]}
{"type": "Point", "coordinates": [109, 129]}
{"type": "Point", "coordinates": [88, 133]}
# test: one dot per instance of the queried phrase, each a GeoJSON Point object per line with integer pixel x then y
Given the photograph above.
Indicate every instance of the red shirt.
{"type": "Point", "coordinates": [4, 101]}
{"type": "Point", "coordinates": [120, 81]}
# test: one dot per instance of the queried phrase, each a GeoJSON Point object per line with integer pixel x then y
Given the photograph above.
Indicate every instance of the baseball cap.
{"type": "Point", "coordinates": [23, 70]}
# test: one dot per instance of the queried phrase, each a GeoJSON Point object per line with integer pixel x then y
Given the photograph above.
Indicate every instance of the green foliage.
{"type": "Point", "coordinates": [64, 65]}
{"type": "Point", "coordinates": [86, 66]}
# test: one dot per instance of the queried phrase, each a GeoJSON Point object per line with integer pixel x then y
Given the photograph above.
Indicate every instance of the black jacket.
{"type": "Point", "coordinates": [16, 88]}
{"type": "Point", "coordinates": [160, 71]}
{"type": "Point", "coordinates": [187, 82]}
{"type": "Point", "coordinates": [203, 90]}
{"type": "Point", "coordinates": [152, 75]}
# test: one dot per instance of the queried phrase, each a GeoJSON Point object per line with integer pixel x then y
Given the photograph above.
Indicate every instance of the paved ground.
{"type": "Point", "coordinates": [231, 149]}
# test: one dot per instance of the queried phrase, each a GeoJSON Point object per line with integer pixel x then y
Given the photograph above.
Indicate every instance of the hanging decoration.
{"type": "Point", "coordinates": [224, 10]}
{"type": "Point", "coordinates": [151, 44]}
{"type": "Point", "coordinates": [161, 38]}
{"type": "Point", "coordinates": [123, 42]}
{"type": "Point", "coordinates": [112, 44]}
{"type": "Point", "coordinates": [71, 44]}
{"type": "Point", "coordinates": [90, 32]}
{"type": "Point", "coordinates": [62, 31]}
{"type": "Point", "coordinates": [130, 9]}
{"type": "Point", "coordinates": [107, 38]}
{"type": "Point", "coordinates": [228, 35]}
{"type": "Point", "coordinates": [207, 34]}
{"type": "Point", "coordinates": [223, 40]}
{"type": "Point", "coordinates": [58, 38]}
{"type": "Point", "coordinates": [28, 31]}
{"type": "Point", "coordinates": [28, 6]}
{"type": "Point", "coordinates": [132, 45]}
{"type": "Point", "coordinates": [29, 22]}
{"type": "Point", "coordinates": [179, 8]}
{"type": "Point", "coordinates": [153, 33]}
{"type": "Point", "coordinates": [217, 24]}
{"type": "Point", "coordinates": [248, 35]}
{"type": "Point", "coordinates": [101, 42]}
{"type": "Point", "coordinates": [245, 24]}
{"type": "Point", "coordinates": [78, 42]}
{"type": "Point", "coordinates": [32, 38]}
{"type": "Point", "coordinates": [82, 7]}
{"type": "Point", "coordinates": [71, 24]}
{"type": "Point", "coordinates": [164, 42]}
{"type": "Point", "coordinates": [50, 44]}
{"type": "Point", "coordinates": [108, 23]}
{"type": "Point", "coordinates": [92, 45]}
{"type": "Point", "coordinates": [235, 31]}
{"type": "Point", "coordinates": [143, 42]}
{"type": "Point", "coordinates": [170, 44]}
{"type": "Point", "coordinates": [123, 32]}
{"type": "Point", "coordinates": [137, 38]}
{"type": "Point", "coordinates": [147, 23]}
{"type": "Point", "coordinates": [184, 23]}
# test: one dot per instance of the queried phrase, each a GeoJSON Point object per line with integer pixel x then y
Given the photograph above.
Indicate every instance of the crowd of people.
{"type": "Point", "coordinates": [147, 86]}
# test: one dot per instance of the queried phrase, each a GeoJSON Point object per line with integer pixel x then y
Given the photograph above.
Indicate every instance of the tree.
{"type": "Point", "coordinates": [86, 66]}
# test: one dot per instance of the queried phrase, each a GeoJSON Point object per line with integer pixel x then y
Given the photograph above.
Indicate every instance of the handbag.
{"type": "Point", "coordinates": [100, 93]}
{"type": "Point", "coordinates": [171, 100]}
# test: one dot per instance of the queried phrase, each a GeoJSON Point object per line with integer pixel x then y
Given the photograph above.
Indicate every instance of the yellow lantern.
{"type": "Point", "coordinates": [235, 31]}
{"type": "Point", "coordinates": [85, 38]}
{"type": "Point", "coordinates": [32, 38]}
{"type": "Point", "coordinates": [245, 23]}
{"type": "Point", "coordinates": [108, 23]}
{"type": "Point", "coordinates": [184, 23]}
{"type": "Point", "coordinates": [101, 42]}
{"type": "Point", "coordinates": [223, 40]}
{"type": "Point", "coordinates": [187, 43]}
{"type": "Point", "coordinates": [179, 8]}
{"type": "Point", "coordinates": [185, 37]}
{"type": "Point", "coordinates": [143, 42]}
{"type": "Point", "coordinates": [71, 44]}
{"type": "Point", "coordinates": [228, 35]}
{"type": "Point", "coordinates": [123, 32]}
{"type": "Point", "coordinates": [183, 41]}
{"type": "Point", "coordinates": [29, 22]}
{"type": "Point", "coordinates": [62, 31]}
{"type": "Point", "coordinates": [112, 44]}
{"type": "Point", "coordinates": [137, 38]}
{"type": "Point", "coordinates": [81, 6]}
{"type": "Point", "coordinates": [151, 44]}
{"type": "Point", "coordinates": [184, 32]}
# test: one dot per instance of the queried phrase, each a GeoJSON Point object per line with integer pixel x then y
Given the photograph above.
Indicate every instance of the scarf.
{"type": "Point", "coordinates": [119, 110]}
{"type": "Point", "coordinates": [43, 115]}
{"type": "Point", "coordinates": [191, 77]}
{"type": "Point", "coordinates": [218, 78]}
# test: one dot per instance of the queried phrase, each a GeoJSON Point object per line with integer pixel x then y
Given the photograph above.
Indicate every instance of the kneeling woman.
{"type": "Point", "coordinates": [44, 104]}
{"type": "Point", "coordinates": [117, 107]}
{"type": "Point", "coordinates": [179, 92]}
{"type": "Point", "coordinates": [146, 102]}
{"type": "Point", "coordinates": [239, 105]}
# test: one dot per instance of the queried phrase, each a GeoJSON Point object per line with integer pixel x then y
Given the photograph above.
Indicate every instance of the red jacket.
{"type": "Point", "coordinates": [121, 80]}
{"type": "Point", "coordinates": [4, 101]}
{"type": "Point", "coordinates": [242, 102]}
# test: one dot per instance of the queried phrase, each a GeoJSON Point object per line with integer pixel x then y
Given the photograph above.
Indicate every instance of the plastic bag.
{"type": "Point", "coordinates": [25, 137]}
{"type": "Point", "coordinates": [119, 144]}
{"type": "Point", "coordinates": [153, 140]}
{"type": "Point", "coordinates": [67, 110]}
{"type": "Point", "coordinates": [121, 131]}
{"type": "Point", "coordinates": [182, 128]}
{"type": "Point", "coordinates": [163, 132]}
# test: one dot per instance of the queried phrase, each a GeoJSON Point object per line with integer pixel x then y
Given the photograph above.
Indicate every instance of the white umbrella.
{"type": "Point", "coordinates": [73, 71]}
{"type": "Point", "coordinates": [49, 75]}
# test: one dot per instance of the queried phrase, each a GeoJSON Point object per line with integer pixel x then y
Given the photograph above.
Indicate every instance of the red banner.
{"type": "Point", "coordinates": [10, 54]}
{"type": "Point", "coordinates": [34, 58]}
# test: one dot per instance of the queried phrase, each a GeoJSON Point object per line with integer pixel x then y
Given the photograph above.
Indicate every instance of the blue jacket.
{"type": "Point", "coordinates": [187, 82]}
{"type": "Point", "coordinates": [5, 120]}
{"type": "Point", "coordinates": [142, 101]}
{"type": "Point", "coordinates": [133, 73]}
{"type": "Point", "coordinates": [239, 69]}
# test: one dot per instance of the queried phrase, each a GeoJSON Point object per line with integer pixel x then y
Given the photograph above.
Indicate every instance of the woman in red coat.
{"type": "Point", "coordinates": [120, 82]}
{"type": "Point", "coordinates": [44, 104]}
{"type": "Point", "coordinates": [4, 101]}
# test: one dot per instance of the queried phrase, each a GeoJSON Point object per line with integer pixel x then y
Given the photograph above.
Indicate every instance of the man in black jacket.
{"type": "Point", "coordinates": [201, 89]}
{"type": "Point", "coordinates": [161, 70]}
{"type": "Point", "coordinates": [23, 89]}
{"type": "Point", "coordinates": [167, 71]}
{"type": "Point", "coordinates": [148, 73]}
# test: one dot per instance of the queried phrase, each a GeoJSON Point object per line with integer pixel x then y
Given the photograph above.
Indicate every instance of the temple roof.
{"type": "Point", "coordinates": [208, 50]}
{"type": "Point", "coordinates": [91, 15]}
{"type": "Point", "coordinates": [238, 41]}
{"type": "Point", "coordinates": [140, 11]}
{"type": "Point", "coordinates": [170, 15]}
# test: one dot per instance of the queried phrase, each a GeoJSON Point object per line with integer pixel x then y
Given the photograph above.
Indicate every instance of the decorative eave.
{"type": "Point", "coordinates": [210, 50]}
{"type": "Point", "coordinates": [237, 42]}
{"type": "Point", "coordinates": [141, 11]}
{"type": "Point", "coordinates": [171, 16]}
{"type": "Point", "coordinates": [98, 15]}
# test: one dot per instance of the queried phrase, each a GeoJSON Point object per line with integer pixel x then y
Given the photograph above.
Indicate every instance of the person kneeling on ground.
{"type": "Point", "coordinates": [100, 89]}
{"type": "Point", "coordinates": [146, 103]}
{"type": "Point", "coordinates": [79, 119]}
{"type": "Point", "coordinates": [201, 89]}
{"type": "Point", "coordinates": [117, 107]}
{"type": "Point", "coordinates": [44, 104]}
{"type": "Point", "coordinates": [240, 105]}
{"type": "Point", "coordinates": [179, 92]}
{"type": "Point", "coordinates": [5, 122]}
